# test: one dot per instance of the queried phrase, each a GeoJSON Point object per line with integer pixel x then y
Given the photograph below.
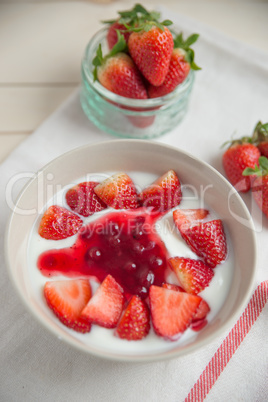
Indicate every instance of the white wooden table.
{"type": "Point", "coordinates": [42, 42]}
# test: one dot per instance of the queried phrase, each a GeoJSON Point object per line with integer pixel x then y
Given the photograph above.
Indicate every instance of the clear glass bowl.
{"type": "Point", "coordinates": [125, 117]}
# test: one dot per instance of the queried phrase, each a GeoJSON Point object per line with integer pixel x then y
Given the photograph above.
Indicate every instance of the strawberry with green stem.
{"type": "Point", "coordinates": [242, 153]}
{"type": "Point", "coordinates": [181, 62]}
{"type": "Point", "coordinates": [260, 183]}
{"type": "Point", "coordinates": [150, 45]}
{"type": "Point", "coordinates": [127, 20]}
{"type": "Point", "coordinates": [117, 72]}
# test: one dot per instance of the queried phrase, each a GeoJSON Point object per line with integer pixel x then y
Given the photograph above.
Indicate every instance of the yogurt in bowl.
{"type": "Point", "coordinates": [202, 187]}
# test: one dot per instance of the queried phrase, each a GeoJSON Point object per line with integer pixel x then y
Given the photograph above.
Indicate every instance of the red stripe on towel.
{"type": "Point", "coordinates": [230, 344]}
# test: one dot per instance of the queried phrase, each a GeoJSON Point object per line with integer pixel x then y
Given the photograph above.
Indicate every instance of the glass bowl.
{"type": "Point", "coordinates": [125, 117]}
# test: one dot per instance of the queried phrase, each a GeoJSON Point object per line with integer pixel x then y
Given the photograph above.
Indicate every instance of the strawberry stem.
{"type": "Point", "coordinates": [260, 133]}
{"type": "Point", "coordinates": [261, 170]}
{"type": "Point", "coordinates": [138, 19]}
{"type": "Point", "coordinates": [98, 60]}
{"type": "Point", "coordinates": [180, 43]}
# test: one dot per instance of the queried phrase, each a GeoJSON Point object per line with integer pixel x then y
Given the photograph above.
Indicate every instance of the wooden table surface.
{"type": "Point", "coordinates": [42, 42]}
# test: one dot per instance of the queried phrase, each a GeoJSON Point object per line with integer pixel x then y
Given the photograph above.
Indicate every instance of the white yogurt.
{"type": "Point", "coordinates": [102, 338]}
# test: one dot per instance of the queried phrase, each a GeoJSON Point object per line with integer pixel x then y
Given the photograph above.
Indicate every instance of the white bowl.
{"type": "Point", "coordinates": [128, 156]}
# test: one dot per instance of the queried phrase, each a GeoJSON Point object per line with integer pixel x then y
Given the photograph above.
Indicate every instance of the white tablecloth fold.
{"type": "Point", "coordinates": [230, 96]}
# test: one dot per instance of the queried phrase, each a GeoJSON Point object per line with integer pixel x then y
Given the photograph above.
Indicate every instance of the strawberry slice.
{"type": "Point", "coordinates": [106, 305]}
{"type": "Point", "coordinates": [83, 200]}
{"type": "Point", "coordinates": [172, 311]}
{"type": "Point", "coordinates": [134, 324]}
{"type": "Point", "coordinates": [163, 194]}
{"type": "Point", "coordinates": [198, 325]}
{"type": "Point", "coordinates": [193, 275]}
{"type": "Point", "coordinates": [199, 319]}
{"type": "Point", "coordinates": [185, 218]}
{"type": "Point", "coordinates": [58, 223]}
{"type": "Point", "coordinates": [118, 192]}
{"type": "Point", "coordinates": [208, 241]}
{"type": "Point", "coordinates": [202, 311]}
{"type": "Point", "coordinates": [67, 299]}
{"type": "Point", "coordinates": [171, 286]}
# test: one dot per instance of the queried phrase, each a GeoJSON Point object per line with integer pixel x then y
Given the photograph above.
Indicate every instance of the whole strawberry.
{"type": "Point", "coordinates": [117, 72]}
{"type": "Point", "coordinates": [260, 184]}
{"type": "Point", "coordinates": [150, 47]}
{"type": "Point", "coordinates": [240, 155]}
{"type": "Point", "coordinates": [182, 60]}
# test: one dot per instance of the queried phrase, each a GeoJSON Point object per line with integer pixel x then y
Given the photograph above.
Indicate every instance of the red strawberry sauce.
{"type": "Point", "coordinates": [124, 244]}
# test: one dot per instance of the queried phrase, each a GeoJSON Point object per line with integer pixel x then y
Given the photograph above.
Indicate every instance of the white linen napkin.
{"type": "Point", "coordinates": [229, 96]}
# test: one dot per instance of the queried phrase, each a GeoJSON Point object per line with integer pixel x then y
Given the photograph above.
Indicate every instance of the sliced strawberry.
{"type": "Point", "coordinates": [83, 200]}
{"type": "Point", "coordinates": [163, 194]}
{"type": "Point", "coordinates": [199, 319]}
{"type": "Point", "coordinates": [185, 218]}
{"type": "Point", "coordinates": [198, 325]}
{"type": "Point", "coordinates": [193, 275]}
{"type": "Point", "coordinates": [105, 307]}
{"type": "Point", "coordinates": [208, 241]}
{"type": "Point", "coordinates": [118, 192]}
{"type": "Point", "coordinates": [172, 311]}
{"type": "Point", "coordinates": [170, 286]}
{"type": "Point", "coordinates": [202, 311]}
{"type": "Point", "coordinates": [58, 223]}
{"type": "Point", "coordinates": [134, 324]}
{"type": "Point", "coordinates": [67, 299]}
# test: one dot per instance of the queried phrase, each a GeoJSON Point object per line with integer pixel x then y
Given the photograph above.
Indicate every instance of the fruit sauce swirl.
{"type": "Point", "coordinates": [123, 244]}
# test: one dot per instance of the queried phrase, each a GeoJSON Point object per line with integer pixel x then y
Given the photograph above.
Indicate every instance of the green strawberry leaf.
{"type": "Point", "coordinates": [263, 162]}
{"type": "Point", "coordinates": [261, 170]}
{"type": "Point", "coordinates": [97, 61]}
{"type": "Point", "coordinates": [110, 22]}
{"type": "Point", "coordinates": [166, 23]}
{"type": "Point", "coordinates": [250, 171]}
{"type": "Point", "coordinates": [191, 39]}
{"type": "Point", "coordinates": [195, 66]}
{"type": "Point", "coordinates": [120, 46]}
{"type": "Point", "coordinates": [260, 133]}
{"type": "Point", "coordinates": [180, 43]}
{"type": "Point", "coordinates": [138, 8]}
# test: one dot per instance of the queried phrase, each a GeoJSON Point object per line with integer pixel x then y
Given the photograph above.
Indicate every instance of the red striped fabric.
{"type": "Point", "coordinates": [230, 344]}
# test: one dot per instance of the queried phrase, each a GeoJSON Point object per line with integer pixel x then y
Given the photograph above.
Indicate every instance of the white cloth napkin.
{"type": "Point", "coordinates": [230, 96]}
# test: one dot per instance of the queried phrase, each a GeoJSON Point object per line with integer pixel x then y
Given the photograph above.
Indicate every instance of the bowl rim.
{"type": "Point", "coordinates": [145, 104]}
{"type": "Point", "coordinates": [167, 354]}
